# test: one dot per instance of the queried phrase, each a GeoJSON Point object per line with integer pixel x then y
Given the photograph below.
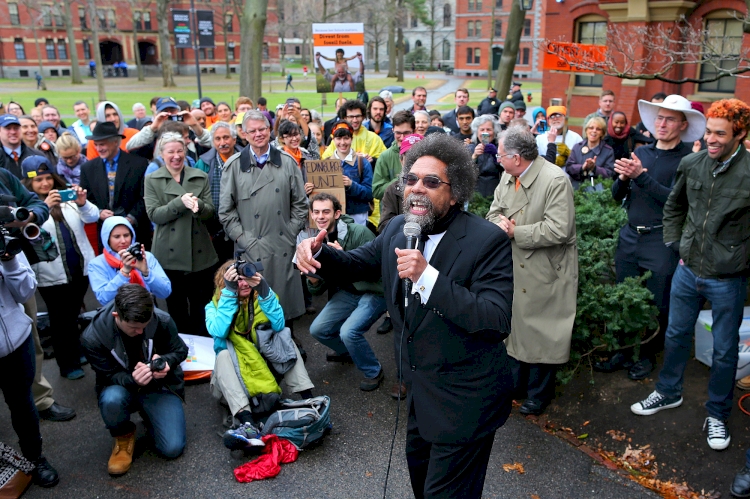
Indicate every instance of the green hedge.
{"type": "Point", "coordinates": [609, 316]}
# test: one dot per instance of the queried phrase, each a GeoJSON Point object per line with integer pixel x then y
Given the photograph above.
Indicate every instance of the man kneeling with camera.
{"type": "Point", "coordinates": [136, 353]}
{"type": "Point", "coordinates": [247, 324]}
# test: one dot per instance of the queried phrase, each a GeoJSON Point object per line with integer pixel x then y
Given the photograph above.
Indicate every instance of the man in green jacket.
{"type": "Point", "coordinates": [707, 222]}
{"type": "Point", "coordinates": [388, 166]}
{"type": "Point", "coordinates": [352, 308]}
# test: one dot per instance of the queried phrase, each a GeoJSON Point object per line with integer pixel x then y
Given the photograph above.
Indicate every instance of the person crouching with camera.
{"type": "Point", "coordinates": [62, 282]}
{"type": "Point", "coordinates": [124, 261]}
{"type": "Point", "coordinates": [135, 351]}
{"type": "Point", "coordinates": [242, 316]}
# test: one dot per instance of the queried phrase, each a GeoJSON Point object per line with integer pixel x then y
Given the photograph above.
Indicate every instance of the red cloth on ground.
{"type": "Point", "coordinates": [277, 451]}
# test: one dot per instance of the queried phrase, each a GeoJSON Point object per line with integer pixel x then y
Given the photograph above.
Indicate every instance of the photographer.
{"type": "Point", "coordinates": [62, 282]}
{"type": "Point", "coordinates": [483, 150]}
{"type": "Point", "coordinates": [136, 353]}
{"type": "Point", "coordinates": [117, 266]}
{"type": "Point", "coordinates": [239, 306]}
{"type": "Point", "coordinates": [17, 362]}
{"type": "Point", "coordinates": [167, 109]}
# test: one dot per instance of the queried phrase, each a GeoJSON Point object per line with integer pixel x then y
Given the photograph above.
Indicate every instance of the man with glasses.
{"type": "Point", "coordinates": [263, 206]}
{"type": "Point", "coordinates": [556, 144]}
{"type": "Point", "coordinates": [644, 182]}
{"type": "Point", "coordinates": [533, 204]}
{"type": "Point", "coordinates": [388, 166]}
{"type": "Point", "coordinates": [456, 315]}
{"type": "Point", "coordinates": [363, 140]}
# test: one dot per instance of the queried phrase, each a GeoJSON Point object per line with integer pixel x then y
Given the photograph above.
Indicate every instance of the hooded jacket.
{"type": "Point", "coordinates": [100, 118]}
{"type": "Point", "coordinates": [106, 280]}
{"type": "Point", "coordinates": [17, 285]}
{"type": "Point", "coordinates": [106, 352]}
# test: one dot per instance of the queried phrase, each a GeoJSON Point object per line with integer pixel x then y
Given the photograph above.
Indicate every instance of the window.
{"type": "Point", "coordinates": [147, 21]}
{"type": "Point", "coordinates": [406, 46]}
{"type": "Point", "coordinates": [137, 20]}
{"type": "Point", "coordinates": [477, 55]}
{"type": "Point", "coordinates": [592, 32]}
{"type": "Point", "coordinates": [527, 27]}
{"type": "Point", "coordinates": [479, 4]}
{"type": "Point", "coordinates": [499, 4]}
{"type": "Point", "coordinates": [57, 16]}
{"type": "Point", "coordinates": [228, 22]}
{"type": "Point", "coordinates": [418, 44]}
{"type": "Point", "coordinates": [525, 57]}
{"type": "Point", "coordinates": [86, 50]}
{"type": "Point", "coordinates": [265, 51]}
{"type": "Point", "coordinates": [20, 49]}
{"type": "Point", "coordinates": [46, 15]}
{"type": "Point", "coordinates": [24, 73]}
{"type": "Point", "coordinates": [206, 54]}
{"type": "Point", "coordinates": [296, 50]}
{"type": "Point", "coordinates": [15, 20]}
{"type": "Point", "coordinates": [478, 29]}
{"type": "Point", "coordinates": [230, 51]}
{"type": "Point", "coordinates": [82, 18]}
{"type": "Point", "coordinates": [447, 15]}
{"type": "Point", "coordinates": [414, 21]}
{"type": "Point", "coordinates": [470, 29]}
{"type": "Point", "coordinates": [102, 18]}
{"type": "Point", "coordinates": [54, 72]}
{"type": "Point", "coordinates": [725, 36]}
{"type": "Point", "coordinates": [111, 22]}
{"type": "Point", "coordinates": [498, 28]}
{"type": "Point", "coordinates": [469, 56]}
{"type": "Point", "coordinates": [49, 44]}
{"type": "Point", "coordinates": [446, 50]}
{"type": "Point", "coordinates": [471, 4]}
{"type": "Point", "coordinates": [62, 49]}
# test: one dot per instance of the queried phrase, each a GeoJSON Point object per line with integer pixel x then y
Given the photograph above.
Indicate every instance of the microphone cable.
{"type": "Point", "coordinates": [398, 406]}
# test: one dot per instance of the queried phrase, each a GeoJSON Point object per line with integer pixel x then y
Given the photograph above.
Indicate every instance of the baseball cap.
{"type": "Point", "coordinates": [36, 165]}
{"type": "Point", "coordinates": [409, 141]}
{"type": "Point", "coordinates": [165, 103]}
{"type": "Point", "coordinates": [9, 119]}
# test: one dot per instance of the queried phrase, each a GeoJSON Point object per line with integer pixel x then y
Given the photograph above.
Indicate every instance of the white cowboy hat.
{"type": "Point", "coordinates": [696, 120]}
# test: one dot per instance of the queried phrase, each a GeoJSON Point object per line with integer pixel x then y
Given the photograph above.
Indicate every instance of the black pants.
{"type": "Point", "coordinates": [191, 292]}
{"type": "Point", "coordinates": [16, 376]}
{"type": "Point", "coordinates": [533, 381]}
{"type": "Point", "coordinates": [446, 470]}
{"type": "Point", "coordinates": [63, 306]}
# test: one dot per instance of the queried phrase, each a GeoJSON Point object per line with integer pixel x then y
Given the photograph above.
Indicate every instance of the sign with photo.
{"type": "Point", "coordinates": [339, 57]}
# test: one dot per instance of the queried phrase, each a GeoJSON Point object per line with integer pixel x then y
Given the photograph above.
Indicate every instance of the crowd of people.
{"type": "Point", "coordinates": [208, 207]}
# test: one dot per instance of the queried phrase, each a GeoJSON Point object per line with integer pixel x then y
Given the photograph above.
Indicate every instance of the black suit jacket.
{"type": "Point", "coordinates": [452, 350]}
{"type": "Point", "coordinates": [449, 120]}
{"type": "Point", "coordinates": [14, 167]}
{"type": "Point", "coordinates": [128, 195]}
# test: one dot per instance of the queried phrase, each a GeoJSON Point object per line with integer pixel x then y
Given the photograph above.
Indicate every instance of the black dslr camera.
{"type": "Point", "coordinates": [8, 214]}
{"type": "Point", "coordinates": [135, 250]}
{"type": "Point", "coordinates": [247, 269]}
{"type": "Point", "coordinates": [157, 364]}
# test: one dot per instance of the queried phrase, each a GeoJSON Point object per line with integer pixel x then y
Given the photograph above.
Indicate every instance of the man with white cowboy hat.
{"type": "Point", "coordinates": [644, 182]}
{"type": "Point", "coordinates": [706, 219]}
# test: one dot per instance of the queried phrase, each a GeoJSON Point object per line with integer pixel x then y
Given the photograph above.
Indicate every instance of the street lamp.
{"type": "Point", "coordinates": [527, 4]}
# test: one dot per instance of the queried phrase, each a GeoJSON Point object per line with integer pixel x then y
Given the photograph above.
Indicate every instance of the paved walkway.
{"type": "Point", "coordinates": [433, 96]}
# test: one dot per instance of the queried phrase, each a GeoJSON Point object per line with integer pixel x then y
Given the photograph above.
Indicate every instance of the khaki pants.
{"type": "Point", "coordinates": [224, 381]}
{"type": "Point", "coordinates": [41, 389]}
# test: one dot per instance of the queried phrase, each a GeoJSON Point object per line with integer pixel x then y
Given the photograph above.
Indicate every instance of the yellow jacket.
{"type": "Point", "coordinates": [363, 141]}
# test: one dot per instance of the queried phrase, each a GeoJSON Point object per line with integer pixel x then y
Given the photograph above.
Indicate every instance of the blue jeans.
{"type": "Point", "coordinates": [162, 411]}
{"type": "Point", "coordinates": [342, 325]}
{"type": "Point", "coordinates": [688, 295]}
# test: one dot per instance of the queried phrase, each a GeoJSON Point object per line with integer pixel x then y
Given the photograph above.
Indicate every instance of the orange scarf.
{"type": "Point", "coordinates": [115, 263]}
{"type": "Point", "coordinates": [297, 155]}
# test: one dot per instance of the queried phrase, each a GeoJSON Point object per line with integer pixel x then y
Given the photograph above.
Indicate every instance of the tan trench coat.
{"type": "Point", "coordinates": [262, 211]}
{"type": "Point", "coordinates": [545, 262]}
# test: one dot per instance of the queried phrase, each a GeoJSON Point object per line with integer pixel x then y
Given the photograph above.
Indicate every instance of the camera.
{"type": "Point", "coordinates": [135, 250]}
{"type": "Point", "coordinates": [9, 214]}
{"type": "Point", "coordinates": [485, 138]}
{"type": "Point", "coordinates": [157, 364]}
{"type": "Point", "coordinates": [175, 117]}
{"type": "Point", "coordinates": [67, 195]}
{"type": "Point", "coordinates": [247, 269]}
{"type": "Point", "coordinates": [542, 126]}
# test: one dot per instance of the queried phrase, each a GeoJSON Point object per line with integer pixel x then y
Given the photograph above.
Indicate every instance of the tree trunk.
{"type": "Point", "coordinates": [75, 70]}
{"type": "Point", "coordinates": [432, 36]}
{"type": "Point", "coordinates": [491, 58]}
{"type": "Point", "coordinates": [38, 54]}
{"type": "Point", "coordinates": [377, 52]}
{"type": "Point", "coordinates": [392, 40]}
{"type": "Point", "coordinates": [400, 49]}
{"type": "Point", "coordinates": [282, 53]}
{"type": "Point", "coordinates": [226, 44]}
{"type": "Point", "coordinates": [94, 18]}
{"type": "Point", "coordinates": [510, 51]}
{"type": "Point", "coordinates": [137, 53]}
{"type": "Point", "coordinates": [167, 65]}
{"type": "Point", "coordinates": [253, 25]}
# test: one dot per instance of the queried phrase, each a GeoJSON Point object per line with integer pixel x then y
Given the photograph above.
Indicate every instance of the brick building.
{"type": "Point", "coordinates": [586, 21]}
{"type": "Point", "coordinates": [18, 48]}
{"type": "Point", "coordinates": [475, 26]}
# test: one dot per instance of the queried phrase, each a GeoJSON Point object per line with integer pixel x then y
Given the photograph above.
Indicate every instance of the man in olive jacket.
{"type": "Point", "coordinates": [707, 222]}
{"type": "Point", "coordinates": [263, 206]}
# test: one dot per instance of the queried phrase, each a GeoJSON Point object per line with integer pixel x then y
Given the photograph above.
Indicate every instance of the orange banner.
{"type": "Point", "coordinates": [560, 55]}
{"type": "Point", "coordinates": [338, 39]}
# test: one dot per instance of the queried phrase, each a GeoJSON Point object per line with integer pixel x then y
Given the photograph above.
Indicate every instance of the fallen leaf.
{"type": "Point", "coordinates": [534, 496]}
{"type": "Point", "coordinates": [585, 423]}
{"type": "Point", "coordinates": [582, 436]}
{"type": "Point", "coordinates": [617, 435]}
{"type": "Point", "coordinates": [368, 474]}
{"type": "Point", "coordinates": [369, 414]}
{"type": "Point", "coordinates": [514, 467]}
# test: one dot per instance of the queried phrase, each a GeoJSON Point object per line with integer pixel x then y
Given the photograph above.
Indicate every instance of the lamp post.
{"type": "Point", "coordinates": [527, 5]}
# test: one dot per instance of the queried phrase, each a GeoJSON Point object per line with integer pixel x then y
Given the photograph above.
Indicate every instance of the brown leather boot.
{"type": "Point", "coordinates": [122, 454]}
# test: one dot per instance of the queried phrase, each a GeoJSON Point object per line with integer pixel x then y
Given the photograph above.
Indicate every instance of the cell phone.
{"type": "Point", "coordinates": [542, 127]}
{"type": "Point", "coordinates": [67, 195]}
{"type": "Point", "coordinates": [290, 102]}
{"type": "Point", "coordinates": [175, 117]}
{"type": "Point", "coordinates": [485, 138]}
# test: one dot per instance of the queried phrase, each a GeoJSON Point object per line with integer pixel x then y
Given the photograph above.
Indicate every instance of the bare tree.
{"type": "Point", "coordinates": [137, 18]}
{"type": "Point", "coordinates": [36, 13]}
{"type": "Point", "coordinates": [253, 23]}
{"type": "Point", "coordinates": [75, 69]}
{"type": "Point", "coordinates": [510, 50]}
{"type": "Point", "coordinates": [165, 46]}
{"type": "Point", "coordinates": [94, 18]}
{"type": "Point", "coordinates": [659, 52]}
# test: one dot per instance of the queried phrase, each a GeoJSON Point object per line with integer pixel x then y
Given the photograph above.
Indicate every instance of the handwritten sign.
{"type": "Point", "coordinates": [327, 176]}
{"type": "Point", "coordinates": [574, 57]}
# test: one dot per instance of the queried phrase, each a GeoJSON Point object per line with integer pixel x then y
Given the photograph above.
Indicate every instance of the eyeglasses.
{"type": "Point", "coordinates": [429, 181]}
{"type": "Point", "coordinates": [290, 136]}
{"type": "Point", "coordinates": [261, 130]}
{"type": "Point", "coordinates": [500, 157]}
{"type": "Point", "coordinates": [669, 120]}
{"type": "Point", "coordinates": [357, 117]}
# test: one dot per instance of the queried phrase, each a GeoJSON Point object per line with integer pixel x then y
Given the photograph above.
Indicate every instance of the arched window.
{"type": "Point", "coordinates": [446, 50]}
{"type": "Point", "coordinates": [447, 15]}
{"type": "Point", "coordinates": [418, 43]}
{"type": "Point", "coordinates": [406, 46]}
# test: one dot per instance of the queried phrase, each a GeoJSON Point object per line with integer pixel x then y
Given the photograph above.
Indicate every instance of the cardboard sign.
{"type": "Point", "coordinates": [327, 176]}
{"type": "Point", "coordinates": [565, 56]}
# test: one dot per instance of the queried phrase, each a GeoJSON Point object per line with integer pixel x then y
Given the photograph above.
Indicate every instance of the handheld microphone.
{"type": "Point", "coordinates": [412, 231]}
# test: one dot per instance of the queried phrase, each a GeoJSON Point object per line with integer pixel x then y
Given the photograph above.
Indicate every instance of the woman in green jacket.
{"type": "Point", "coordinates": [178, 202]}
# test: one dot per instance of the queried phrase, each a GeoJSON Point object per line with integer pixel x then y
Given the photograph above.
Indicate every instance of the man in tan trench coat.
{"type": "Point", "coordinates": [534, 205]}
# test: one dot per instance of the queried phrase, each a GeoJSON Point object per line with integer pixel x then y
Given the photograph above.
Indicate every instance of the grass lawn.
{"type": "Point", "coordinates": [126, 92]}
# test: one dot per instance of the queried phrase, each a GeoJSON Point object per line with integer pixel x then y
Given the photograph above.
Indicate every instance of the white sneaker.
{"type": "Point", "coordinates": [718, 435]}
{"type": "Point", "coordinates": [654, 403]}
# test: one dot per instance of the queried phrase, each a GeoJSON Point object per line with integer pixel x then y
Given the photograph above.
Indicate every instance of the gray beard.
{"type": "Point", "coordinates": [426, 221]}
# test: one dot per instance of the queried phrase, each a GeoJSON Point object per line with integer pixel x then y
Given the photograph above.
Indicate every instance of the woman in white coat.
{"type": "Point", "coordinates": [63, 282]}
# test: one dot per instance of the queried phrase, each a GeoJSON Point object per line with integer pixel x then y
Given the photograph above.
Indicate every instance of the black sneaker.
{"type": "Point", "coordinates": [741, 484]}
{"type": "Point", "coordinates": [339, 357]}
{"type": "Point", "coordinates": [44, 474]}
{"type": "Point", "coordinates": [654, 403]}
{"type": "Point", "coordinates": [385, 326]}
{"type": "Point", "coordinates": [718, 435]}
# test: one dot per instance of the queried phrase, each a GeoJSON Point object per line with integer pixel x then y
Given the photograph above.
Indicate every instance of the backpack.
{"type": "Point", "coordinates": [302, 422]}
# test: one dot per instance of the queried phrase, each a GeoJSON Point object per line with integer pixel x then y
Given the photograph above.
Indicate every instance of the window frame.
{"type": "Point", "coordinates": [590, 80]}
{"type": "Point", "coordinates": [50, 49]}
{"type": "Point", "coordinates": [15, 17]}
{"type": "Point", "coordinates": [726, 85]}
{"type": "Point", "coordinates": [20, 49]}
